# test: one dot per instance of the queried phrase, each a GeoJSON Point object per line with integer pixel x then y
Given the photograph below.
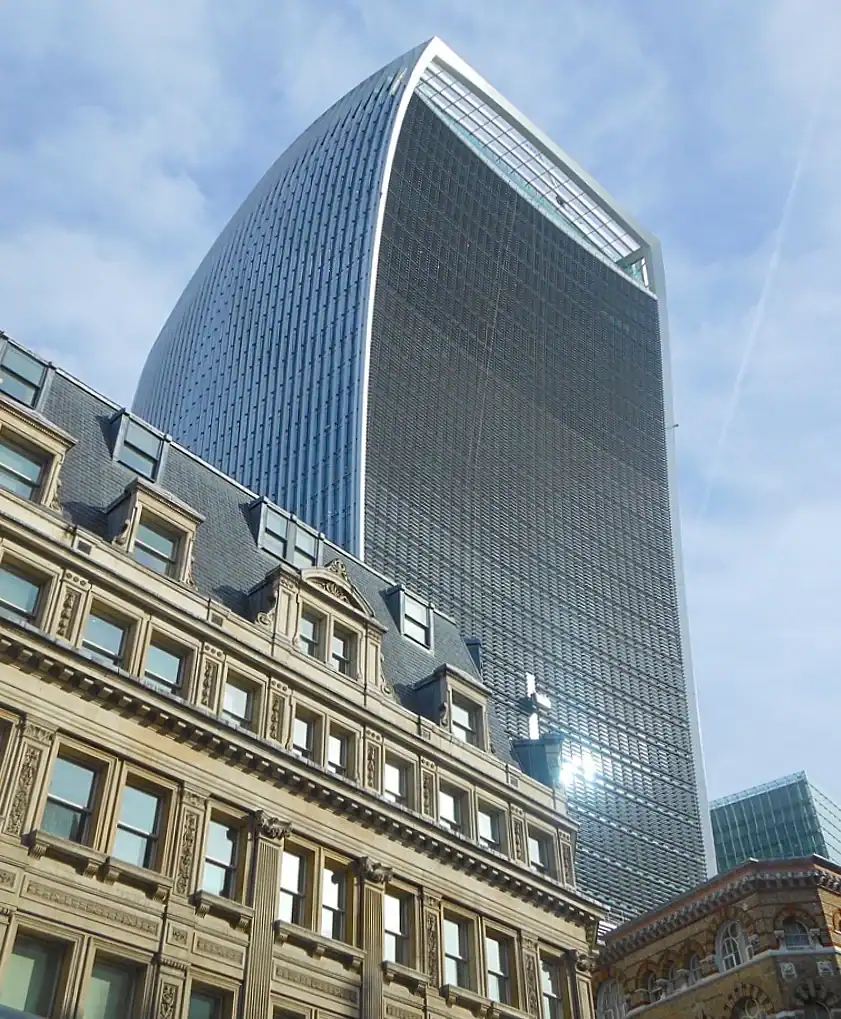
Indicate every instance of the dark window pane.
{"type": "Point", "coordinates": [164, 666]}
{"type": "Point", "coordinates": [18, 592]}
{"type": "Point", "coordinates": [204, 1006]}
{"type": "Point", "coordinates": [139, 462]}
{"type": "Point", "coordinates": [31, 976]}
{"type": "Point", "coordinates": [143, 440]}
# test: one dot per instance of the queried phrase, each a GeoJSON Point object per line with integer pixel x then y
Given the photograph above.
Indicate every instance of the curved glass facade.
{"type": "Point", "coordinates": [428, 336]}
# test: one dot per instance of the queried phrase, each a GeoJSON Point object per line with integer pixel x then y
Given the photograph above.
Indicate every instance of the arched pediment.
{"type": "Point", "coordinates": [334, 581]}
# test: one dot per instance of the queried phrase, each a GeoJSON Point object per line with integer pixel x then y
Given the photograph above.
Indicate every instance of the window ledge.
{"type": "Point", "coordinates": [499, 1010]}
{"type": "Point", "coordinates": [149, 880]}
{"type": "Point", "coordinates": [394, 972]}
{"type": "Point", "coordinates": [236, 913]}
{"type": "Point", "coordinates": [42, 843]}
{"type": "Point", "coordinates": [317, 945]}
{"type": "Point", "coordinates": [478, 1004]}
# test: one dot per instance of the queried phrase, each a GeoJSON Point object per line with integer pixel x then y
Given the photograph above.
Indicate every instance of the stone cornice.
{"type": "Point", "coordinates": [733, 887]}
{"type": "Point", "coordinates": [280, 767]}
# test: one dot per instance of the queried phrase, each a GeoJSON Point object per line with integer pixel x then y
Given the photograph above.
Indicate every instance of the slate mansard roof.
{"type": "Point", "coordinates": [227, 562]}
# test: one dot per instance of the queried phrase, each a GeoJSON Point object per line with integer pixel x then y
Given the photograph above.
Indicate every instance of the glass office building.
{"type": "Point", "coordinates": [433, 336]}
{"type": "Point", "coordinates": [781, 820]}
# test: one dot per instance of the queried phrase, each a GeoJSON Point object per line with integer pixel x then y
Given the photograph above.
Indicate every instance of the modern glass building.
{"type": "Point", "coordinates": [781, 820]}
{"type": "Point", "coordinates": [433, 336]}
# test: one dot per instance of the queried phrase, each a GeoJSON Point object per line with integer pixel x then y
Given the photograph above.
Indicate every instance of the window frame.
{"type": "Point", "coordinates": [161, 638]}
{"type": "Point", "coordinates": [315, 858]}
{"type": "Point", "coordinates": [165, 529]}
{"type": "Point", "coordinates": [23, 427]}
{"type": "Point", "coordinates": [33, 456]}
{"type": "Point", "coordinates": [803, 933]}
{"type": "Point", "coordinates": [409, 769]}
{"type": "Point", "coordinates": [39, 388]}
{"type": "Point", "coordinates": [555, 963]}
{"type": "Point", "coordinates": [124, 423]}
{"type": "Point", "coordinates": [126, 959]}
{"type": "Point", "coordinates": [315, 721]}
{"type": "Point", "coordinates": [225, 992]}
{"type": "Point", "coordinates": [462, 806]}
{"type": "Point", "coordinates": [500, 812]}
{"type": "Point", "coordinates": [741, 953]}
{"type": "Point", "coordinates": [65, 944]}
{"type": "Point", "coordinates": [335, 864]}
{"type": "Point", "coordinates": [101, 605]}
{"type": "Point", "coordinates": [44, 574]}
{"type": "Point", "coordinates": [472, 962]}
{"type": "Point", "coordinates": [350, 737]}
{"type": "Point", "coordinates": [102, 767]}
{"type": "Point", "coordinates": [219, 813]}
{"type": "Point", "coordinates": [302, 898]}
{"type": "Point", "coordinates": [545, 838]}
{"type": "Point", "coordinates": [256, 687]}
{"type": "Point", "coordinates": [409, 911]}
{"type": "Point", "coordinates": [319, 620]}
{"type": "Point", "coordinates": [352, 645]}
{"type": "Point", "coordinates": [427, 627]}
{"type": "Point", "coordinates": [166, 791]}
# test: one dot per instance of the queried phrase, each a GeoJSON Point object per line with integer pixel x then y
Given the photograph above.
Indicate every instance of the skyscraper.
{"type": "Point", "coordinates": [779, 820]}
{"type": "Point", "coordinates": [432, 335]}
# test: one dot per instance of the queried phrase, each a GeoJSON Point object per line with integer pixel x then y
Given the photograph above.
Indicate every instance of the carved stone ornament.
{"type": "Point", "coordinates": [265, 617]}
{"type": "Point", "coordinates": [69, 605]}
{"type": "Point", "coordinates": [271, 827]}
{"type": "Point", "coordinates": [188, 846]}
{"type": "Point", "coordinates": [427, 793]}
{"type": "Point", "coordinates": [532, 986]}
{"type": "Point", "coordinates": [338, 567]}
{"type": "Point", "coordinates": [168, 1005]}
{"type": "Point", "coordinates": [371, 759]}
{"type": "Point", "coordinates": [335, 591]}
{"type": "Point", "coordinates": [373, 873]}
{"type": "Point", "coordinates": [208, 683]}
{"type": "Point", "coordinates": [121, 537]}
{"type": "Point", "coordinates": [38, 733]}
{"type": "Point", "coordinates": [431, 941]}
{"type": "Point", "coordinates": [55, 500]}
{"type": "Point", "coordinates": [519, 849]}
{"type": "Point", "coordinates": [26, 780]}
{"type": "Point", "coordinates": [276, 718]}
{"type": "Point", "coordinates": [585, 962]}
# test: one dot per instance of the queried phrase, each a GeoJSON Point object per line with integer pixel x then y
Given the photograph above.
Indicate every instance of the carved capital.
{"type": "Point", "coordinates": [372, 872]}
{"type": "Point", "coordinates": [38, 733]}
{"type": "Point", "coordinates": [270, 827]}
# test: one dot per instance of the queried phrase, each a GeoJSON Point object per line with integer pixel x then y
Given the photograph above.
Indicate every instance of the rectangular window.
{"type": "Point", "coordinates": [464, 721]}
{"type": "Point", "coordinates": [456, 952]}
{"type": "Point", "coordinates": [396, 928]}
{"type": "Point", "coordinates": [303, 737]}
{"type": "Point", "coordinates": [30, 981]}
{"type": "Point", "coordinates": [416, 621]}
{"type": "Point", "coordinates": [275, 529]}
{"type": "Point", "coordinates": [105, 638]}
{"type": "Point", "coordinates": [138, 827]}
{"type": "Point", "coordinates": [306, 548]}
{"type": "Point", "coordinates": [451, 808]}
{"type": "Point", "coordinates": [21, 376]}
{"type": "Point", "coordinates": [338, 752]}
{"type": "Point", "coordinates": [164, 667]}
{"type": "Point", "coordinates": [19, 592]}
{"type": "Point", "coordinates": [309, 634]}
{"type": "Point", "coordinates": [69, 805]}
{"type": "Point", "coordinates": [205, 1005]}
{"type": "Point", "coordinates": [21, 469]}
{"type": "Point", "coordinates": [156, 546]}
{"type": "Point", "coordinates": [238, 703]}
{"type": "Point", "coordinates": [141, 450]}
{"type": "Point", "coordinates": [333, 902]}
{"type": "Point", "coordinates": [110, 991]}
{"type": "Point", "coordinates": [396, 781]}
{"type": "Point", "coordinates": [499, 979]}
{"type": "Point", "coordinates": [341, 652]}
{"type": "Point", "coordinates": [293, 890]}
{"type": "Point", "coordinates": [490, 827]}
{"type": "Point", "coordinates": [540, 853]}
{"type": "Point", "coordinates": [550, 984]}
{"type": "Point", "coordinates": [220, 860]}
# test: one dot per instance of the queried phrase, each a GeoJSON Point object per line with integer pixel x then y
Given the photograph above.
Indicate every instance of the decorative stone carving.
{"type": "Point", "coordinates": [26, 780]}
{"type": "Point", "coordinates": [218, 950]}
{"type": "Point", "coordinates": [208, 683]}
{"type": "Point", "coordinates": [121, 537]}
{"type": "Point", "coordinates": [91, 907]}
{"type": "Point", "coordinates": [532, 986]}
{"type": "Point", "coordinates": [427, 793]}
{"type": "Point", "coordinates": [38, 733]}
{"type": "Point", "coordinates": [168, 1004]}
{"type": "Point", "coordinates": [371, 872]}
{"type": "Point", "coordinates": [293, 976]}
{"type": "Point", "coordinates": [518, 827]}
{"type": "Point", "coordinates": [276, 718]}
{"type": "Point", "coordinates": [371, 769]}
{"type": "Point", "coordinates": [69, 606]}
{"type": "Point", "coordinates": [55, 499]}
{"type": "Point", "coordinates": [7, 879]}
{"type": "Point", "coordinates": [432, 949]}
{"type": "Point", "coordinates": [188, 848]}
{"type": "Point", "coordinates": [194, 799]}
{"type": "Point", "coordinates": [271, 827]}
{"type": "Point", "coordinates": [338, 567]}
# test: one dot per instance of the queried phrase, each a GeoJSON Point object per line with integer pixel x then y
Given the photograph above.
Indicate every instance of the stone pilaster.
{"type": "Point", "coordinates": [170, 993]}
{"type": "Point", "coordinates": [430, 934]}
{"type": "Point", "coordinates": [33, 752]}
{"type": "Point", "coordinates": [531, 976]}
{"type": "Point", "coordinates": [269, 833]}
{"type": "Point", "coordinates": [372, 879]}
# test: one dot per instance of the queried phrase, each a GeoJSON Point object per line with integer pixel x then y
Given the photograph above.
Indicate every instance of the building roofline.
{"type": "Point", "coordinates": [765, 787]}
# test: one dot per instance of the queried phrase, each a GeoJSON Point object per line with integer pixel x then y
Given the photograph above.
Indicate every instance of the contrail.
{"type": "Point", "coordinates": [762, 305]}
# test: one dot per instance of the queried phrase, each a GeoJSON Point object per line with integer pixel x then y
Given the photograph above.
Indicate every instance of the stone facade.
{"type": "Point", "coordinates": [281, 850]}
{"type": "Point", "coordinates": [763, 940]}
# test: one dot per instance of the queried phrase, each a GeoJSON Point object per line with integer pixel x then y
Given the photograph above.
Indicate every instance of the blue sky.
{"type": "Point", "coordinates": [129, 132]}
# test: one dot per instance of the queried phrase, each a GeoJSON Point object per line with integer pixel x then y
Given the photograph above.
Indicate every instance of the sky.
{"type": "Point", "coordinates": [130, 132]}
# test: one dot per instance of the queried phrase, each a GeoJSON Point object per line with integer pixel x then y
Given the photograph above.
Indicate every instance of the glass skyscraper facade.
{"type": "Point", "coordinates": [781, 820]}
{"type": "Point", "coordinates": [430, 334]}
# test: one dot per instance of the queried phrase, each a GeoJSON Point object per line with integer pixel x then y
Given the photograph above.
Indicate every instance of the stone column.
{"type": "Point", "coordinates": [372, 880]}
{"type": "Point", "coordinates": [530, 999]}
{"type": "Point", "coordinates": [25, 781]}
{"type": "Point", "coordinates": [269, 833]}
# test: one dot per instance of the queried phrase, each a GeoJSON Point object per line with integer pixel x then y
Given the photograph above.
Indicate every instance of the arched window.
{"type": "Point", "coordinates": [693, 968]}
{"type": "Point", "coordinates": [670, 976]}
{"type": "Point", "coordinates": [795, 935]}
{"type": "Point", "coordinates": [748, 1008]}
{"type": "Point", "coordinates": [655, 992]}
{"type": "Point", "coordinates": [731, 947]}
{"type": "Point", "coordinates": [610, 1003]}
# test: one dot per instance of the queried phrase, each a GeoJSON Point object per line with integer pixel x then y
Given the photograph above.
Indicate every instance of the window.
{"type": "Point", "coordinates": [164, 666]}
{"type": "Point", "coordinates": [610, 1003]}
{"type": "Point", "coordinates": [655, 991]}
{"type": "Point", "coordinates": [416, 621]}
{"type": "Point", "coordinates": [220, 861]}
{"type": "Point", "coordinates": [156, 546]}
{"type": "Point", "coordinates": [238, 703]}
{"type": "Point", "coordinates": [540, 852]}
{"type": "Point", "coordinates": [30, 981]}
{"type": "Point", "coordinates": [396, 781]}
{"type": "Point", "coordinates": [333, 904]}
{"type": "Point", "coordinates": [275, 529]}
{"type": "Point", "coordinates": [490, 828]}
{"type": "Point", "coordinates": [69, 805]}
{"type": "Point", "coordinates": [551, 989]}
{"type": "Point", "coordinates": [303, 736]}
{"type": "Point", "coordinates": [464, 721]}
{"type": "Point", "coordinates": [338, 752]}
{"type": "Point", "coordinates": [456, 952]}
{"type": "Point", "coordinates": [306, 548]}
{"type": "Point", "coordinates": [138, 827]}
{"type": "Point", "coordinates": [795, 935]}
{"type": "Point", "coordinates": [731, 946]}
{"type": "Point", "coordinates": [105, 638]}
{"type": "Point", "coordinates": [110, 991]}
{"type": "Point", "coordinates": [205, 1005]}
{"type": "Point", "coordinates": [497, 951]}
{"type": "Point", "coordinates": [293, 876]}
{"type": "Point", "coordinates": [451, 808]}
{"type": "Point", "coordinates": [141, 450]}
{"type": "Point", "coordinates": [19, 592]}
{"type": "Point", "coordinates": [693, 968]}
{"type": "Point", "coordinates": [21, 469]}
{"type": "Point", "coordinates": [309, 634]}
{"type": "Point", "coordinates": [341, 651]}
{"type": "Point", "coordinates": [396, 928]}
{"type": "Point", "coordinates": [21, 376]}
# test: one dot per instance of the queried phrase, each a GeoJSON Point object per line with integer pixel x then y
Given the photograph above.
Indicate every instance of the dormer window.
{"type": "Point", "coordinates": [309, 634]}
{"type": "Point", "coordinates": [156, 546]}
{"type": "Point", "coordinates": [458, 702]}
{"type": "Point", "coordinates": [306, 549]}
{"type": "Point", "coordinates": [341, 654]}
{"type": "Point", "coordinates": [32, 451]}
{"type": "Point", "coordinates": [21, 468]}
{"type": "Point", "coordinates": [139, 448]}
{"type": "Point", "coordinates": [417, 624]}
{"type": "Point", "coordinates": [21, 375]}
{"type": "Point", "coordinates": [274, 532]}
{"type": "Point", "coordinates": [464, 722]}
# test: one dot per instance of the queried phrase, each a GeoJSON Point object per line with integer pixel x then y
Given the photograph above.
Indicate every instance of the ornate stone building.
{"type": "Point", "coordinates": [242, 774]}
{"type": "Point", "coordinates": [760, 942]}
